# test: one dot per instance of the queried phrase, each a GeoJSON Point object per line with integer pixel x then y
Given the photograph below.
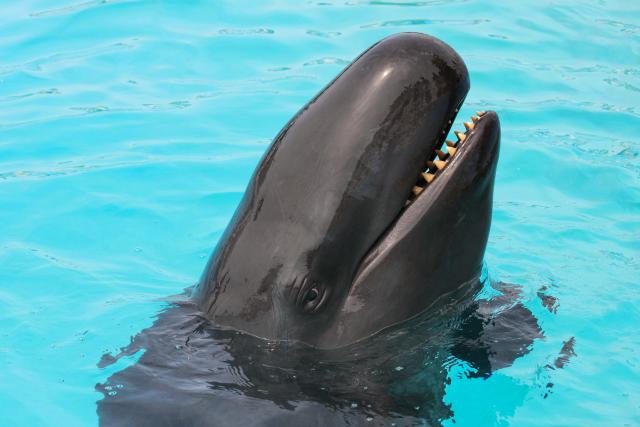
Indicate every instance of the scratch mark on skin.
{"type": "Point", "coordinates": [280, 205]}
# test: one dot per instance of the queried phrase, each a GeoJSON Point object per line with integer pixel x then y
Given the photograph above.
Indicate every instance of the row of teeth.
{"type": "Point", "coordinates": [442, 157]}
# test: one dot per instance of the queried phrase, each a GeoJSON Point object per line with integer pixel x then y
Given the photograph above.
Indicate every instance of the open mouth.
{"type": "Point", "coordinates": [442, 157]}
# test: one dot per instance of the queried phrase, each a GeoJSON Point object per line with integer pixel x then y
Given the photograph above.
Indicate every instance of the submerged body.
{"type": "Point", "coordinates": [191, 373]}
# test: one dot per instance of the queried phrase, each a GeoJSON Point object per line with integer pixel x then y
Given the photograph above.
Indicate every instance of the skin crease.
{"type": "Point", "coordinates": [321, 249]}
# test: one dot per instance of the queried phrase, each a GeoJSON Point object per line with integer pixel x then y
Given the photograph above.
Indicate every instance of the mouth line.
{"type": "Point", "coordinates": [435, 165]}
{"type": "Point", "coordinates": [441, 158]}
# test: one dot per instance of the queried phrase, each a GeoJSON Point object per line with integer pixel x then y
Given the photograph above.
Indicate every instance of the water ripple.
{"type": "Point", "coordinates": [417, 22]}
{"type": "Point", "coordinates": [621, 26]}
{"type": "Point", "coordinates": [327, 61]}
{"type": "Point", "coordinates": [39, 64]}
{"type": "Point", "coordinates": [130, 129]}
{"type": "Point", "coordinates": [244, 31]}
{"type": "Point", "coordinates": [324, 34]}
{"type": "Point", "coordinates": [88, 165]}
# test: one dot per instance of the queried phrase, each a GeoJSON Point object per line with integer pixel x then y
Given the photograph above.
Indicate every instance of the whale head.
{"type": "Point", "coordinates": [360, 215]}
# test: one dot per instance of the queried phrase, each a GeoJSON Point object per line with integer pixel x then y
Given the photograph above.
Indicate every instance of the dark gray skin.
{"type": "Point", "coordinates": [324, 260]}
{"type": "Point", "coordinates": [322, 249]}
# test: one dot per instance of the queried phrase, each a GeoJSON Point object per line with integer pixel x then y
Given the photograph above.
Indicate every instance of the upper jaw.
{"type": "Point", "coordinates": [445, 156]}
{"type": "Point", "coordinates": [475, 158]}
{"type": "Point", "coordinates": [468, 166]}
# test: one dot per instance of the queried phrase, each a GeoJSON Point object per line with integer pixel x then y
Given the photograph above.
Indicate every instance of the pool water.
{"type": "Point", "coordinates": [129, 129]}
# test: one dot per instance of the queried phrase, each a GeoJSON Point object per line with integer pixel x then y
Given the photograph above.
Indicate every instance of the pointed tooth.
{"type": "Point", "coordinates": [452, 150]}
{"type": "Point", "coordinates": [475, 118]}
{"type": "Point", "coordinates": [480, 113]}
{"type": "Point", "coordinates": [461, 136]}
{"type": "Point", "coordinates": [417, 190]}
{"type": "Point", "coordinates": [451, 143]}
{"type": "Point", "coordinates": [439, 164]}
{"type": "Point", "coordinates": [469, 126]}
{"type": "Point", "coordinates": [442, 155]}
{"type": "Point", "coordinates": [428, 177]}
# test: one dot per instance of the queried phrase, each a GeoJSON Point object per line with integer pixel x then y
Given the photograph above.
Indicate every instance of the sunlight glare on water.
{"type": "Point", "coordinates": [129, 130]}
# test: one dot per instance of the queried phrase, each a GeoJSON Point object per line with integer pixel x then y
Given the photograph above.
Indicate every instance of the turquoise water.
{"type": "Point", "coordinates": [128, 131]}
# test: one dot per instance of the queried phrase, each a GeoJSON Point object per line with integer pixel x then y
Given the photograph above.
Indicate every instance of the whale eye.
{"type": "Point", "coordinates": [312, 295]}
{"type": "Point", "coordinates": [313, 298]}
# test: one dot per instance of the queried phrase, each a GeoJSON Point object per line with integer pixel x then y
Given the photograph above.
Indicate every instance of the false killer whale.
{"type": "Point", "coordinates": [349, 274]}
{"type": "Point", "coordinates": [357, 218]}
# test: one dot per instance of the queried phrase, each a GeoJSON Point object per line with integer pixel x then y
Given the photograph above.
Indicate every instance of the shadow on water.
{"type": "Point", "coordinates": [194, 374]}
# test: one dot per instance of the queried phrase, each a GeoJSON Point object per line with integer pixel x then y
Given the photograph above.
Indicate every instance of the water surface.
{"type": "Point", "coordinates": [129, 129]}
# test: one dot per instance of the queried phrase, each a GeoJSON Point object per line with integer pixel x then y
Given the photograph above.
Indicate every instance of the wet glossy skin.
{"type": "Point", "coordinates": [321, 249]}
